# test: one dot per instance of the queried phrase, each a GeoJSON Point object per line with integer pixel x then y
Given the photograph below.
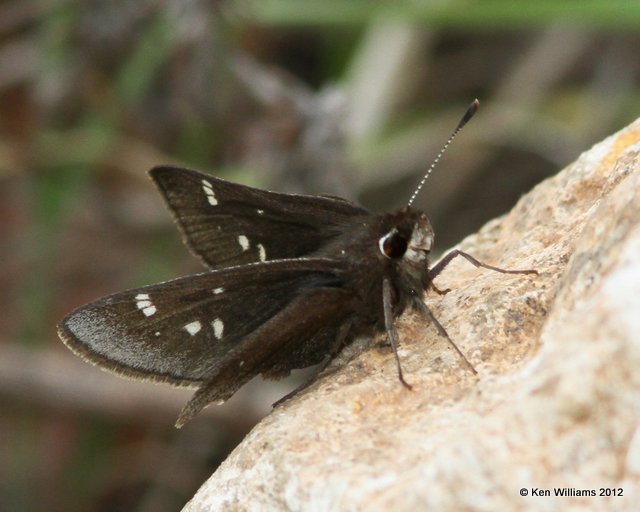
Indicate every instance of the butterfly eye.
{"type": "Point", "coordinates": [393, 245]}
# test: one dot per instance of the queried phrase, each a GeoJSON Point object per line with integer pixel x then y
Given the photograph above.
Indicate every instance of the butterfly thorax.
{"type": "Point", "coordinates": [373, 247]}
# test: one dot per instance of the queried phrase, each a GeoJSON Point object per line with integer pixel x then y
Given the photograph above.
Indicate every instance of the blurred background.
{"type": "Point", "coordinates": [345, 97]}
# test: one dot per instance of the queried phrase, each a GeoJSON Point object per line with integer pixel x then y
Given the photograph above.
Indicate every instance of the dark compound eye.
{"type": "Point", "coordinates": [393, 244]}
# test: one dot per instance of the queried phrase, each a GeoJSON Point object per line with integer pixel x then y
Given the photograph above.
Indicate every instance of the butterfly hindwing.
{"type": "Point", "coordinates": [302, 334]}
{"type": "Point", "coordinates": [228, 224]}
{"type": "Point", "coordinates": [183, 330]}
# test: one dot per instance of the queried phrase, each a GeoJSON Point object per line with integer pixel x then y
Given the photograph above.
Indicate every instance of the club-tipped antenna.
{"type": "Point", "coordinates": [473, 108]}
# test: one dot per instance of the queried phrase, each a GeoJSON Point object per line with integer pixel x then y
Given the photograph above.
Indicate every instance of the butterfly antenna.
{"type": "Point", "coordinates": [473, 108]}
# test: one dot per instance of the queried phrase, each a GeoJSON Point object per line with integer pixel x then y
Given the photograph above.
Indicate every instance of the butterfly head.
{"type": "Point", "coordinates": [409, 239]}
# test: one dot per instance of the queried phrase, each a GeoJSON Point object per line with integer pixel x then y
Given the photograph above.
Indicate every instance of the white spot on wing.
{"type": "Point", "coordinates": [193, 328]}
{"type": "Point", "coordinates": [244, 242]}
{"type": "Point", "coordinates": [150, 310]}
{"type": "Point", "coordinates": [218, 328]}
{"type": "Point", "coordinates": [144, 303]}
{"type": "Point", "coordinates": [262, 252]}
{"type": "Point", "coordinates": [216, 291]}
{"type": "Point", "coordinates": [260, 212]}
{"type": "Point", "coordinates": [208, 190]}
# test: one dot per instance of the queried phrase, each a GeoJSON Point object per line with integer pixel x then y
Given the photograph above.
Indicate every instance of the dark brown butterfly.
{"type": "Point", "coordinates": [292, 280]}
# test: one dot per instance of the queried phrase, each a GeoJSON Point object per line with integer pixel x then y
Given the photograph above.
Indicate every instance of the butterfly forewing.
{"type": "Point", "coordinates": [228, 224]}
{"type": "Point", "coordinates": [180, 331]}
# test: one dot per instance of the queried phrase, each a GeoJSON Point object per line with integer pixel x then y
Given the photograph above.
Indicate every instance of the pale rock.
{"type": "Point", "coordinates": [557, 399]}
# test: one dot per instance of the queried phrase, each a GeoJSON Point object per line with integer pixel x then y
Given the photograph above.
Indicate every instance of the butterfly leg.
{"type": "Point", "coordinates": [341, 337]}
{"type": "Point", "coordinates": [441, 330]}
{"type": "Point", "coordinates": [391, 331]}
{"type": "Point", "coordinates": [439, 267]}
{"type": "Point", "coordinates": [438, 290]}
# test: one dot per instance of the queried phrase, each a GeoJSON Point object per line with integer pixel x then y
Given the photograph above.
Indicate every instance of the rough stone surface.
{"type": "Point", "coordinates": [556, 403]}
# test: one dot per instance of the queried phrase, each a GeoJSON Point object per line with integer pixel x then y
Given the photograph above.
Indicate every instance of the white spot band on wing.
{"type": "Point", "coordinates": [244, 242]}
{"type": "Point", "coordinates": [208, 190]}
{"type": "Point", "coordinates": [193, 328]}
{"type": "Point", "coordinates": [218, 328]}
{"type": "Point", "coordinates": [262, 252]}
